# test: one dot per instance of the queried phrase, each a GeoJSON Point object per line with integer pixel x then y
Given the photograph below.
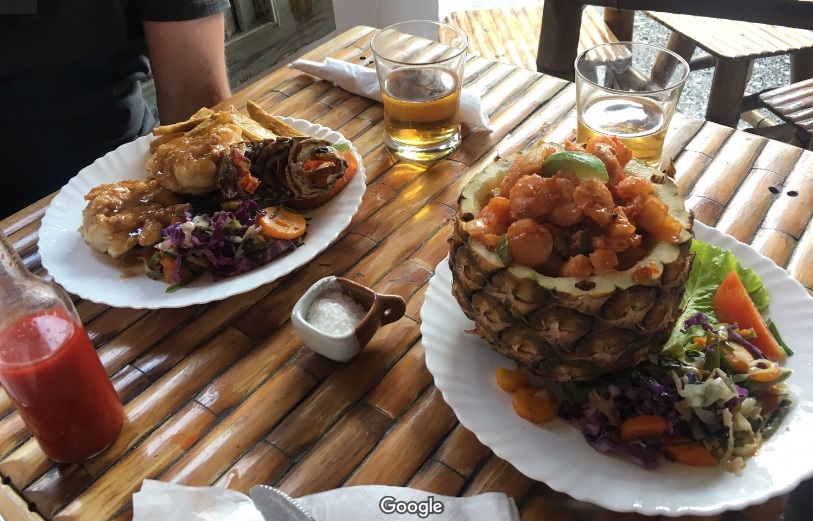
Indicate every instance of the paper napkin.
{"type": "Point", "coordinates": [384, 503]}
{"type": "Point", "coordinates": [159, 501]}
{"type": "Point", "coordinates": [364, 82]}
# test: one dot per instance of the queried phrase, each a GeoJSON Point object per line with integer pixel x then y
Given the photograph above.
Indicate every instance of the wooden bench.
{"type": "Point", "coordinates": [734, 45]}
{"type": "Point", "coordinates": [794, 104]}
{"type": "Point", "coordinates": [512, 34]}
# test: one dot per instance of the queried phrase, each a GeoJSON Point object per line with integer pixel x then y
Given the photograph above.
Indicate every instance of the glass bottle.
{"type": "Point", "coordinates": [49, 367]}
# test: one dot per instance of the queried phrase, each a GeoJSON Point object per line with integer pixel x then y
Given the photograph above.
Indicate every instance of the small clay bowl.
{"type": "Point", "coordinates": [380, 310]}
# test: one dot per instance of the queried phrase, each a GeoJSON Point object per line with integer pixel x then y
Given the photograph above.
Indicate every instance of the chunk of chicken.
{"type": "Point", "coordinates": [121, 215]}
{"type": "Point", "coordinates": [188, 164]}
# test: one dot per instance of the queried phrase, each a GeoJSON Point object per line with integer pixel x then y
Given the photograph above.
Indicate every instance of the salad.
{"type": "Point", "coordinates": [227, 242]}
{"type": "Point", "coordinates": [713, 394]}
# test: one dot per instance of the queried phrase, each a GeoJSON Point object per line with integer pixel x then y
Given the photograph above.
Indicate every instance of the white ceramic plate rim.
{"type": "Point", "coordinates": [96, 277]}
{"type": "Point", "coordinates": [463, 368]}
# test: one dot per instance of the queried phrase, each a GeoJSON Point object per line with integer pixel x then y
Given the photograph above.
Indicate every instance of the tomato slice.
{"type": "Point", "coordinates": [281, 223]}
{"type": "Point", "coordinates": [732, 304]}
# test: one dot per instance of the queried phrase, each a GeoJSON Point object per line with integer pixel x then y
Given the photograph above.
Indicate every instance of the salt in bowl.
{"type": "Point", "coordinates": [379, 310]}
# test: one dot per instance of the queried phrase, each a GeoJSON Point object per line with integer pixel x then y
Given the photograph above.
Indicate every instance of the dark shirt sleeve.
{"type": "Point", "coordinates": [179, 10]}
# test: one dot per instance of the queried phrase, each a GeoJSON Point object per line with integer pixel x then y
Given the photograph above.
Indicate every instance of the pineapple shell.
{"type": "Point", "coordinates": [566, 328]}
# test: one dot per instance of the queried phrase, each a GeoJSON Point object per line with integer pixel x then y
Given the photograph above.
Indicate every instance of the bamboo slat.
{"type": "Point", "coordinates": [402, 384]}
{"type": "Point", "coordinates": [436, 478]}
{"type": "Point", "coordinates": [225, 393]}
{"type": "Point", "coordinates": [512, 34]}
{"type": "Point", "coordinates": [540, 508]}
{"type": "Point", "coordinates": [497, 475]}
{"type": "Point", "coordinates": [340, 451]}
{"type": "Point", "coordinates": [401, 453]}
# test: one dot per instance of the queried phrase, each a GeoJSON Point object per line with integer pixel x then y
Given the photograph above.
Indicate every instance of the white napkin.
{"type": "Point", "coordinates": [159, 501]}
{"type": "Point", "coordinates": [384, 503]}
{"type": "Point", "coordinates": [364, 82]}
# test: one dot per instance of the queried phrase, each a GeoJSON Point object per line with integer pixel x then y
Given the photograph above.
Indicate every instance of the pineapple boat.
{"type": "Point", "coordinates": [572, 261]}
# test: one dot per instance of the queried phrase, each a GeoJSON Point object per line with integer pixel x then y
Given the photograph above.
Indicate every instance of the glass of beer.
{"type": "Point", "coordinates": [630, 91]}
{"type": "Point", "coordinates": [420, 70]}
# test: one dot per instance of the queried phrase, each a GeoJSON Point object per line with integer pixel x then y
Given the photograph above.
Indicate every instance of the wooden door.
{"type": "Point", "coordinates": [260, 33]}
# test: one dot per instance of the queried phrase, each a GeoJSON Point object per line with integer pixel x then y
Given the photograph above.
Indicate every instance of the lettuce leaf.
{"type": "Point", "coordinates": [711, 265]}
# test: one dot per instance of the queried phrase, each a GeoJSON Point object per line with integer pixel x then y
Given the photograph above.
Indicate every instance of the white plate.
{"type": "Point", "coordinates": [94, 276]}
{"type": "Point", "coordinates": [463, 366]}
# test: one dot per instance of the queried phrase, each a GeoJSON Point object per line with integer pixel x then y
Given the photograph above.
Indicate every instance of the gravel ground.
{"type": "Point", "coordinates": [767, 72]}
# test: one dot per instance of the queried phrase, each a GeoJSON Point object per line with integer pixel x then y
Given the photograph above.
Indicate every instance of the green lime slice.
{"type": "Point", "coordinates": [585, 166]}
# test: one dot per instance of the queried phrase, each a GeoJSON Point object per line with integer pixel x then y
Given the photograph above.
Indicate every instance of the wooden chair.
{"type": "Point", "coordinates": [561, 20]}
{"type": "Point", "coordinates": [512, 34]}
{"type": "Point", "coordinates": [794, 104]}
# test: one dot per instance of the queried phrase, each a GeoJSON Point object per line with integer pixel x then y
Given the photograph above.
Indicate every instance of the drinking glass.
{"type": "Point", "coordinates": [629, 90]}
{"type": "Point", "coordinates": [420, 70]}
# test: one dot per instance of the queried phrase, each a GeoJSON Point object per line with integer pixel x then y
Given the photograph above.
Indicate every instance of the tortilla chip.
{"type": "Point", "coordinates": [270, 122]}
{"type": "Point", "coordinates": [163, 138]}
{"type": "Point", "coordinates": [252, 130]}
{"type": "Point", "coordinates": [218, 118]}
{"type": "Point", "coordinates": [184, 126]}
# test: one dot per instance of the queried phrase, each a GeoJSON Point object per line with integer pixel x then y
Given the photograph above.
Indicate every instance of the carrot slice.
{"type": "Point", "coordinates": [737, 357]}
{"type": "Point", "coordinates": [639, 426]}
{"type": "Point", "coordinates": [535, 405]}
{"type": "Point", "coordinates": [694, 454]}
{"type": "Point", "coordinates": [281, 223]}
{"type": "Point", "coordinates": [167, 265]}
{"type": "Point", "coordinates": [764, 371]}
{"type": "Point", "coordinates": [732, 304]}
{"type": "Point", "coordinates": [511, 379]}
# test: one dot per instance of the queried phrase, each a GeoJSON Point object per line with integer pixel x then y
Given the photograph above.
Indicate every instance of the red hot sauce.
{"type": "Point", "coordinates": [51, 372]}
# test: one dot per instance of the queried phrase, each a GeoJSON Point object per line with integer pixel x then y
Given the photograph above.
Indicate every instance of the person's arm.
{"type": "Point", "coordinates": [189, 65]}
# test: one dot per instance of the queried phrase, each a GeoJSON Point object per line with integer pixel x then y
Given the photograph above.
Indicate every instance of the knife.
{"type": "Point", "coordinates": [276, 505]}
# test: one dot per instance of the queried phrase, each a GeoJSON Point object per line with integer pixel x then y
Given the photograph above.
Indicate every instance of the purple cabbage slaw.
{"type": "Point", "coordinates": [228, 243]}
{"type": "Point", "coordinates": [677, 386]}
{"type": "Point", "coordinates": [600, 414]}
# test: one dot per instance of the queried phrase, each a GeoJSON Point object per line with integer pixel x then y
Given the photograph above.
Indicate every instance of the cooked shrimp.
{"type": "Point", "coordinates": [633, 208]}
{"type": "Point", "coordinates": [513, 175]}
{"type": "Point", "coordinates": [493, 222]}
{"type": "Point", "coordinates": [616, 244]}
{"type": "Point", "coordinates": [577, 266]}
{"type": "Point", "coordinates": [529, 243]}
{"type": "Point", "coordinates": [595, 200]}
{"type": "Point", "coordinates": [528, 163]}
{"type": "Point", "coordinates": [478, 230]}
{"type": "Point", "coordinates": [534, 158]}
{"type": "Point", "coordinates": [622, 151]}
{"type": "Point", "coordinates": [605, 149]}
{"type": "Point", "coordinates": [603, 260]}
{"type": "Point", "coordinates": [621, 225]}
{"type": "Point", "coordinates": [533, 196]}
{"type": "Point", "coordinates": [566, 214]}
{"type": "Point", "coordinates": [496, 215]}
{"type": "Point", "coordinates": [569, 175]}
{"type": "Point", "coordinates": [631, 186]}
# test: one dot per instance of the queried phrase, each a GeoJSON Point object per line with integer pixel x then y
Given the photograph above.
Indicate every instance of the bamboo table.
{"type": "Point", "coordinates": [225, 394]}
